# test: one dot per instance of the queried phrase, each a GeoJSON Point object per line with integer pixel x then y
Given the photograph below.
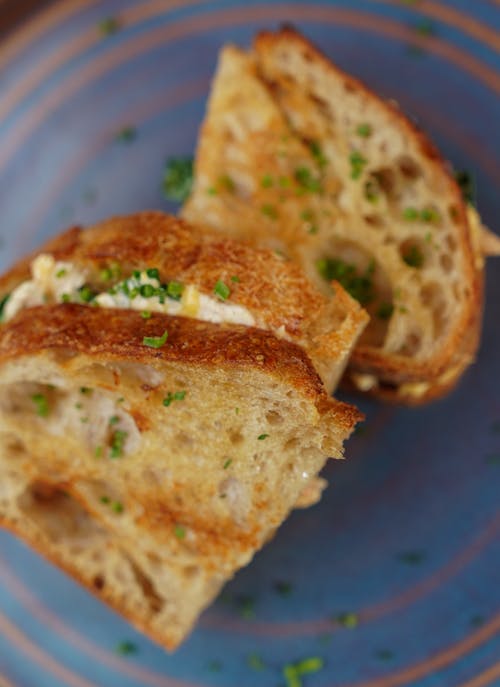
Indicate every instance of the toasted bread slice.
{"type": "Point", "coordinates": [344, 184]}
{"type": "Point", "coordinates": [210, 276]}
{"type": "Point", "coordinates": [152, 473]}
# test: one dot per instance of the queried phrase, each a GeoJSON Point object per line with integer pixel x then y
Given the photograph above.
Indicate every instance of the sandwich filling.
{"type": "Point", "coordinates": [55, 281]}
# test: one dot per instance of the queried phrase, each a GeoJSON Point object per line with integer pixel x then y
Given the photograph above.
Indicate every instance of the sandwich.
{"type": "Point", "coordinates": [150, 445]}
{"type": "Point", "coordinates": [296, 155]}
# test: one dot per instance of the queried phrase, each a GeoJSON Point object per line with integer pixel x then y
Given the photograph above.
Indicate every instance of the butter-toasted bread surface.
{"type": "Point", "coordinates": [344, 184]}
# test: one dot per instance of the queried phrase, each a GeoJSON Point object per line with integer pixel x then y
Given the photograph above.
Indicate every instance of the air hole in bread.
{"type": "Point", "coordinates": [454, 213]}
{"type": "Point", "coordinates": [446, 262]}
{"type": "Point", "coordinates": [191, 571]}
{"type": "Point", "coordinates": [273, 417]}
{"type": "Point", "coordinates": [412, 344]}
{"type": "Point", "coordinates": [99, 582]}
{"type": "Point", "coordinates": [374, 221]}
{"type": "Point", "coordinates": [153, 598]}
{"type": "Point", "coordinates": [290, 444]}
{"type": "Point", "coordinates": [432, 297]}
{"type": "Point", "coordinates": [451, 243]}
{"type": "Point", "coordinates": [324, 107]}
{"type": "Point", "coordinates": [414, 252]}
{"type": "Point", "coordinates": [236, 437]}
{"type": "Point", "coordinates": [386, 179]}
{"type": "Point", "coordinates": [13, 447]}
{"type": "Point", "coordinates": [409, 168]}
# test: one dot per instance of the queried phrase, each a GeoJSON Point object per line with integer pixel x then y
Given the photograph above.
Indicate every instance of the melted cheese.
{"type": "Point", "coordinates": [55, 282]}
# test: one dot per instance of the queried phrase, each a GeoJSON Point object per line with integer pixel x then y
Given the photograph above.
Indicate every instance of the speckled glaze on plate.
{"type": "Point", "coordinates": [393, 579]}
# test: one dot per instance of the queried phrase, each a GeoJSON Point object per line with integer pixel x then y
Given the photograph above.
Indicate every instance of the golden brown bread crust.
{"type": "Point", "coordinates": [118, 334]}
{"type": "Point", "coordinates": [454, 351]}
{"type": "Point", "coordinates": [274, 290]}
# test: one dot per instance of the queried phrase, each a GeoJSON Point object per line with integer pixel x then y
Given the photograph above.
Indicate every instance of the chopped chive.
{"type": "Point", "coordinates": [65, 298]}
{"type": "Point", "coordinates": [411, 557]}
{"type": "Point", "coordinates": [117, 443]}
{"type": "Point", "coordinates": [293, 672]}
{"type": "Point", "coordinates": [41, 404]}
{"type": "Point", "coordinates": [371, 190]}
{"type": "Point", "coordinates": [155, 341]}
{"type": "Point", "coordinates": [269, 211]}
{"type": "Point", "coordinates": [465, 181]}
{"type": "Point", "coordinates": [426, 28]}
{"type": "Point", "coordinates": [358, 286]}
{"type": "Point", "coordinates": [222, 290]}
{"type": "Point", "coordinates": [428, 237]}
{"type": "Point", "coordinates": [282, 588]}
{"type": "Point", "coordinates": [105, 499]}
{"type": "Point", "coordinates": [3, 303]}
{"type": "Point", "coordinates": [147, 290]}
{"type": "Point", "coordinates": [114, 420]}
{"type": "Point", "coordinates": [84, 419]}
{"type": "Point", "coordinates": [178, 178]}
{"type": "Point", "coordinates": [145, 314]}
{"type": "Point", "coordinates": [385, 310]}
{"type": "Point", "coordinates": [284, 182]}
{"type": "Point", "coordinates": [358, 163]}
{"type": "Point", "coordinates": [246, 605]}
{"type": "Point", "coordinates": [261, 437]}
{"type": "Point", "coordinates": [237, 411]}
{"type": "Point", "coordinates": [430, 215]}
{"type": "Point", "coordinates": [255, 662]}
{"type": "Point", "coordinates": [153, 273]}
{"type": "Point", "coordinates": [117, 507]}
{"type": "Point", "coordinates": [227, 463]}
{"type": "Point", "coordinates": [307, 215]}
{"type": "Point", "coordinates": [348, 620]}
{"type": "Point", "coordinates": [226, 183]}
{"type": "Point", "coordinates": [61, 273]}
{"type": "Point", "coordinates": [318, 154]}
{"type": "Point", "coordinates": [266, 181]}
{"type": "Point", "coordinates": [306, 180]}
{"type": "Point", "coordinates": [126, 648]}
{"type": "Point", "coordinates": [86, 390]}
{"type": "Point", "coordinates": [176, 396]}
{"type": "Point", "coordinates": [126, 135]}
{"type": "Point", "coordinates": [180, 531]}
{"type": "Point", "coordinates": [98, 451]}
{"type": "Point", "coordinates": [413, 257]}
{"type": "Point", "coordinates": [212, 191]}
{"type": "Point", "coordinates": [364, 130]}
{"type": "Point", "coordinates": [175, 290]}
{"type": "Point", "coordinates": [235, 279]}
{"type": "Point", "coordinates": [86, 295]}
{"type": "Point", "coordinates": [109, 26]}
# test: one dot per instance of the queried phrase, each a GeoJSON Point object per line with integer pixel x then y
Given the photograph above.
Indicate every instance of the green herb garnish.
{"type": "Point", "coordinates": [178, 178]}
{"type": "Point", "coordinates": [176, 396]}
{"type": "Point", "coordinates": [266, 181]}
{"type": "Point", "coordinates": [465, 180]}
{"type": "Point", "coordinates": [3, 303]}
{"type": "Point", "coordinates": [126, 648]}
{"type": "Point", "coordinates": [269, 211]}
{"type": "Point", "coordinates": [410, 214]}
{"type": "Point", "coordinates": [385, 310]}
{"type": "Point", "coordinates": [126, 134]}
{"type": "Point", "coordinates": [255, 662]}
{"type": "Point", "coordinates": [282, 588]}
{"type": "Point", "coordinates": [98, 451]}
{"type": "Point", "coordinates": [86, 390]}
{"type": "Point", "coordinates": [293, 672]}
{"type": "Point", "coordinates": [235, 279]}
{"type": "Point", "coordinates": [180, 531]}
{"type": "Point", "coordinates": [222, 290]}
{"type": "Point", "coordinates": [227, 464]}
{"type": "Point", "coordinates": [41, 404]}
{"type": "Point", "coordinates": [411, 557]}
{"type": "Point", "coordinates": [413, 257]}
{"type": "Point", "coordinates": [261, 437]}
{"type": "Point", "coordinates": [246, 605]}
{"type": "Point", "coordinates": [348, 620]}
{"type": "Point", "coordinates": [226, 183]}
{"type": "Point", "coordinates": [145, 314]}
{"type": "Point", "coordinates": [61, 273]}
{"type": "Point", "coordinates": [175, 290]}
{"type": "Point", "coordinates": [114, 420]}
{"type": "Point", "coordinates": [155, 341]}
{"type": "Point", "coordinates": [109, 26]}
{"type": "Point", "coordinates": [358, 286]}
{"type": "Point", "coordinates": [306, 180]}
{"type": "Point", "coordinates": [318, 154]}
{"type": "Point", "coordinates": [358, 163]}
{"type": "Point", "coordinates": [86, 295]}
{"type": "Point", "coordinates": [364, 130]}
{"type": "Point", "coordinates": [117, 442]}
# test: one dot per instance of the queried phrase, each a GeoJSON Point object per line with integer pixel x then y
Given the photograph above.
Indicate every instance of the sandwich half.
{"type": "Point", "coordinates": [150, 454]}
{"type": "Point", "coordinates": [298, 156]}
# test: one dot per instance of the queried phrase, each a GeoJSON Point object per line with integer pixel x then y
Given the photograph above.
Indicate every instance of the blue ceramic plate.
{"type": "Point", "coordinates": [393, 579]}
